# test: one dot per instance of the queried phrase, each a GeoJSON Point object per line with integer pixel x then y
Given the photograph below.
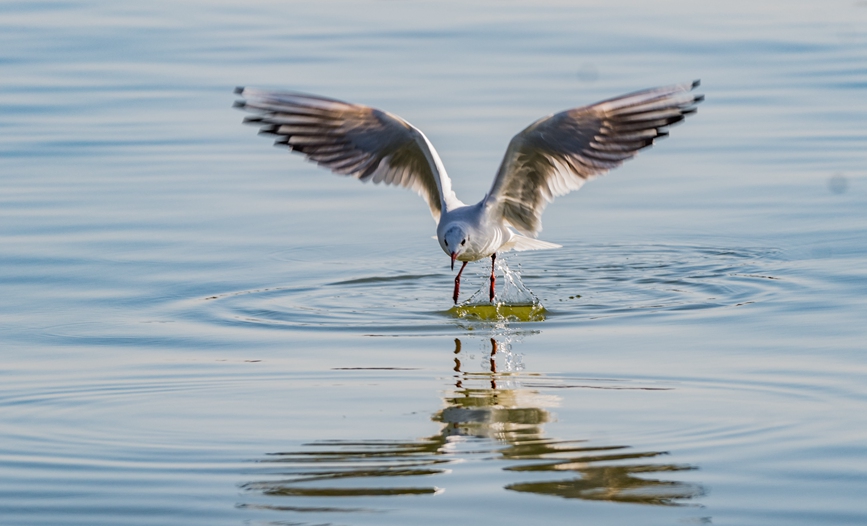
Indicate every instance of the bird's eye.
{"type": "Point", "coordinates": [464, 242]}
{"type": "Point", "coordinates": [447, 243]}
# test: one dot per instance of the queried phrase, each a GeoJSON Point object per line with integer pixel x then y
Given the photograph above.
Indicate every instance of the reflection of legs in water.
{"type": "Point", "coordinates": [457, 369]}
{"type": "Point", "coordinates": [493, 359]}
{"type": "Point", "coordinates": [458, 383]}
{"type": "Point", "coordinates": [457, 352]}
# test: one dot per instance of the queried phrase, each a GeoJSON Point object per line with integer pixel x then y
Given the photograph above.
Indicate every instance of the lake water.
{"type": "Point", "coordinates": [198, 328]}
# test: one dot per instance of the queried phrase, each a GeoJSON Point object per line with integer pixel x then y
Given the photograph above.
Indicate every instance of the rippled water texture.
{"type": "Point", "coordinates": [198, 328]}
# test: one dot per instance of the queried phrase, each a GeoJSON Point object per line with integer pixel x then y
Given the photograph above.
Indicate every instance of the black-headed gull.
{"type": "Point", "coordinates": [551, 157]}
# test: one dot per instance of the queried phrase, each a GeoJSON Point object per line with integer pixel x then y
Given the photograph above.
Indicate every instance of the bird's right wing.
{"type": "Point", "coordinates": [558, 153]}
{"type": "Point", "coordinates": [354, 140]}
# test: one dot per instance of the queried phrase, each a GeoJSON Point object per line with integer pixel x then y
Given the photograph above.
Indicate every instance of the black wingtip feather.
{"type": "Point", "coordinates": [696, 83]}
{"type": "Point", "coordinates": [697, 99]}
{"type": "Point", "coordinates": [240, 104]}
{"type": "Point", "coordinates": [239, 90]}
{"type": "Point", "coordinates": [270, 130]}
{"type": "Point", "coordinates": [674, 121]}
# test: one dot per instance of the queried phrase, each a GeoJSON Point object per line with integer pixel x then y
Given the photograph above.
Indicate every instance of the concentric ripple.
{"type": "Point", "coordinates": [576, 282]}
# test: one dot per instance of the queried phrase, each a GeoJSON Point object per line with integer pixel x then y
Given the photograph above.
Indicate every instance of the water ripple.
{"type": "Point", "coordinates": [574, 283]}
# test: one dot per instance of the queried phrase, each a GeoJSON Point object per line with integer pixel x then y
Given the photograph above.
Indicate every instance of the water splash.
{"type": "Point", "coordinates": [513, 301]}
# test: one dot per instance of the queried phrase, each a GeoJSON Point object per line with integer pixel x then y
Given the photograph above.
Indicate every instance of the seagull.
{"type": "Point", "coordinates": [551, 157]}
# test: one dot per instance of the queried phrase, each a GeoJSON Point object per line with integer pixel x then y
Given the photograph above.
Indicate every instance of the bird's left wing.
{"type": "Point", "coordinates": [558, 153]}
{"type": "Point", "coordinates": [354, 140]}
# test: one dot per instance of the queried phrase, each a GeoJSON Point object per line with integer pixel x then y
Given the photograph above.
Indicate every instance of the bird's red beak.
{"type": "Point", "coordinates": [454, 255]}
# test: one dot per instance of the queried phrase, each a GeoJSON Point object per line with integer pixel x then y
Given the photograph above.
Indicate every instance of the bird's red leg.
{"type": "Point", "coordinates": [458, 283]}
{"type": "Point", "coordinates": [493, 278]}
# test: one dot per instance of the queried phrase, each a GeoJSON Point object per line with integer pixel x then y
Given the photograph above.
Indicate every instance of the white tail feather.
{"type": "Point", "coordinates": [519, 243]}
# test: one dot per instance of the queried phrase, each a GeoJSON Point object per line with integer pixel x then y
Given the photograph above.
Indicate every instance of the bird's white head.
{"type": "Point", "coordinates": [454, 242]}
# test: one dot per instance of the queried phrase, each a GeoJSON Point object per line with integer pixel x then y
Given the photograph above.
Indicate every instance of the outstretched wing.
{"type": "Point", "coordinates": [558, 153]}
{"type": "Point", "coordinates": [353, 140]}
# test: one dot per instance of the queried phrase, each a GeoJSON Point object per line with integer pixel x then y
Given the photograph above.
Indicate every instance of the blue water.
{"type": "Point", "coordinates": [198, 328]}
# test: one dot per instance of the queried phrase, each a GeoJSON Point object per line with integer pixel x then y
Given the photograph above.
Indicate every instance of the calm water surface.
{"type": "Point", "coordinates": [198, 328]}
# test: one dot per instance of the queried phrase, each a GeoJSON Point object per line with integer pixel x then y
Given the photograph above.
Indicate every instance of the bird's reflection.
{"type": "Point", "coordinates": [500, 424]}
